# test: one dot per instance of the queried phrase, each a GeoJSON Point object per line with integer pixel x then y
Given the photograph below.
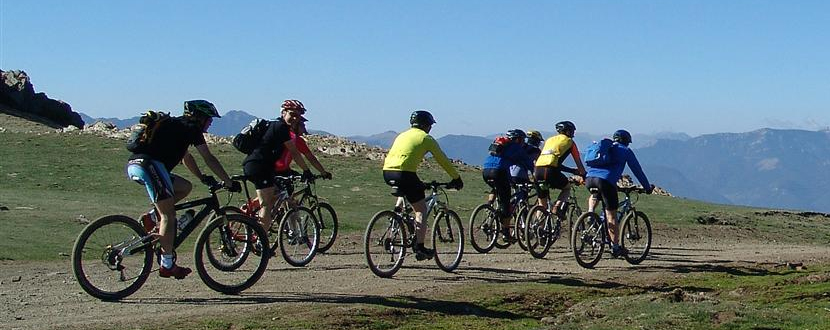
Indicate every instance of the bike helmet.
{"type": "Point", "coordinates": [622, 136]}
{"type": "Point", "coordinates": [201, 108]}
{"type": "Point", "coordinates": [421, 119]}
{"type": "Point", "coordinates": [516, 134]}
{"type": "Point", "coordinates": [293, 105]}
{"type": "Point", "coordinates": [565, 126]}
{"type": "Point", "coordinates": [534, 138]}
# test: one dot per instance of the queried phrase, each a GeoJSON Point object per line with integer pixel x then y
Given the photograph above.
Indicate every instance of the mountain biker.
{"type": "Point", "coordinates": [152, 167]}
{"type": "Point", "coordinates": [518, 174]}
{"type": "Point", "coordinates": [496, 173]}
{"type": "Point", "coordinates": [401, 164]}
{"type": "Point", "coordinates": [282, 165]}
{"type": "Point", "coordinates": [259, 164]}
{"type": "Point", "coordinates": [549, 166]}
{"type": "Point", "coordinates": [602, 182]}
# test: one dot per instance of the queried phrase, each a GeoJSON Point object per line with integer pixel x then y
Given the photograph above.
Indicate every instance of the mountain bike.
{"type": "Point", "coordinates": [323, 212]}
{"type": "Point", "coordinates": [390, 232]}
{"type": "Point", "coordinates": [113, 256]}
{"type": "Point", "coordinates": [294, 229]}
{"type": "Point", "coordinates": [590, 233]}
{"type": "Point", "coordinates": [485, 226]}
{"type": "Point", "coordinates": [543, 228]}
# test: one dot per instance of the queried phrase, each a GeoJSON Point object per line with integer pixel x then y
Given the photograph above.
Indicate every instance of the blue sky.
{"type": "Point", "coordinates": [481, 67]}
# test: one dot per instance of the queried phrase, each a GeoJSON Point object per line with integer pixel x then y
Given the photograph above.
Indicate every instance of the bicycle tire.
{"type": "Point", "coordinates": [298, 241]}
{"type": "Point", "coordinates": [588, 239]}
{"type": "Point", "coordinates": [520, 226]}
{"type": "Point", "coordinates": [448, 240]}
{"type": "Point", "coordinates": [232, 259]}
{"type": "Point", "coordinates": [215, 235]}
{"type": "Point", "coordinates": [385, 237]}
{"type": "Point", "coordinates": [538, 231]}
{"type": "Point", "coordinates": [484, 228]}
{"type": "Point", "coordinates": [327, 218]}
{"type": "Point", "coordinates": [636, 237]}
{"type": "Point", "coordinates": [97, 241]}
{"type": "Point", "coordinates": [573, 212]}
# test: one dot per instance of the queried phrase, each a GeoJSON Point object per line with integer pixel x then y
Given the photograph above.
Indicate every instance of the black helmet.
{"type": "Point", "coordinates": [421, 119]}
{"type": "Point", "coordinates": [565, 126]}
{"type": "Point", "coordinates": [516, 134]}
{"type": "Point", "coordinates": [622, 136]}
{"type": "Point", "coordinates": [200, 108]}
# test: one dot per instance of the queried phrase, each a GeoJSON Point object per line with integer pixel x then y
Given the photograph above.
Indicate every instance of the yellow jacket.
{"type": "Point", "coordinates": [408, 152]}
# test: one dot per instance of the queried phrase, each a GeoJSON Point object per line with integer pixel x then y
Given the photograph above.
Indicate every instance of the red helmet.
{"type": "Point", "coordinates": [293, 105]}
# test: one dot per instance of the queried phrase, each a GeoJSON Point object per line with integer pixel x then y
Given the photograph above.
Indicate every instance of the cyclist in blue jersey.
{"type": "Point", "coordinates": [496, 172]}
{"type": "Point", "coordinates": [604, 180]}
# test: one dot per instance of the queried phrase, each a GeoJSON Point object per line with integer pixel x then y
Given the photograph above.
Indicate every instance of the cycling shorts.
{"type": "Point", "coordinates": [407, 183]}
{"type": "Point", "coordinates": [153, 175]}
{"type": "Point", "coordinates": [260, 174]}
{"type": "Point", "coordinates": [499, 179]}
{"type": "Point", "coordinates": [606, 190]}
{"type": "Point", "coordinates": [549, 177]}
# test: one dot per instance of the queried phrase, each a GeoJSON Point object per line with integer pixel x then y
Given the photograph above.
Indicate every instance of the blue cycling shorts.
{"type": "Point", "coordinates": [153, 175]}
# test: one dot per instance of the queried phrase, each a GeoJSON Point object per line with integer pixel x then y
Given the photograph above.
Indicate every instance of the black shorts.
{"type": "Point", "coordinates": [606, 190]}
{"type": "Point", "coordinates": [549, 177]}
{"type": "Point", "coordinates": [260, 174]}
{"type": "Point", "coordinates": [499, 179]}
{"type": "Point", "coordinates": [408, 184]}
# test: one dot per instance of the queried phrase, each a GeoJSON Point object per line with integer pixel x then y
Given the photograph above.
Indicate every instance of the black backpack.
{"type": "Point", "coordinates": [251, 136]}
{"type": "Point", "coordinates": [143, 136]}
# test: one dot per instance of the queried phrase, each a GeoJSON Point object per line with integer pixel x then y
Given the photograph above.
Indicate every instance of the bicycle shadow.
{"type": "Point", "coordinates": [408, 302]}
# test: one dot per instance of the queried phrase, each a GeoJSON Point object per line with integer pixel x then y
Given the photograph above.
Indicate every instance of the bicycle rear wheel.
{"type": "Point", "coordinates": [299, 236]}
{"type": "Point", "coordinates": [484, 228]}
{"type": "Point", "coordinates": [112, 257]}
{"type": "Point", "coordinates": [539, 231]}
{"type": "Point", "coordinates": [520, 226]}
{"type": "Point", "coordinates": [448, 240]}
{"type": "Point", "coordinates": [328, 225]}
{"type": "Point", "coordinates": [636, 237]}
{"type": "Point", "coordinates": [573, 212]}
{"type": "Point", "coordinates": [384, 243]}
{"type": "Point", "coordinates": [587, 239]}
{"type": "Point", "coordinates": [219, 242]}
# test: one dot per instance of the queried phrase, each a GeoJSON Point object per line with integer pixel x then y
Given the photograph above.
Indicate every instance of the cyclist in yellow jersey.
{"type": "Point", "coordinates": [549, 165]}
{"type": "Point", "coordinates": [401, 163]}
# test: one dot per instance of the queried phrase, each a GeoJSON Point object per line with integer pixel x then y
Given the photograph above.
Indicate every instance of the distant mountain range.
{"type": "Point", "coordinates": [764, 168]}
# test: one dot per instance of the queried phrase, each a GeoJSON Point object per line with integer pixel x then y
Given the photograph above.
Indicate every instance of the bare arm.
{"type": "Point", "coordinates": [295, 154]}
{"type": "Point", "coordinates": [212, 163]}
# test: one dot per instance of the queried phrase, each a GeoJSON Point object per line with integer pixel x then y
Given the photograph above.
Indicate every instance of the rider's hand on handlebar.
{"type": "Point", "coordinates": [456, 184]}
{"type": "Point", "coordinates": [307, 175]}
{"type": "Point", "coordinates": [232, 186]}
{"type": "Point", "coordinates": [325, 175]}
{"type": "Point", "coordinates": [650, 189]}
{"type": "Point", "coordinates": [208, 180]}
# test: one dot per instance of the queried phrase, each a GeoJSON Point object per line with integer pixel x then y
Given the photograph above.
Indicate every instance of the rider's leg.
{"type": "Point", "coordinates": [564, 194]}
{"type": "Point", "coordinates": [167, 224]}
{"type": "Point", "coordinates": [267, 197]}
{"type": "Point", "coordinates": [613, 227]}
{"type": "Point", "coordinates": [420, 208]}
{"type": "Point", "coordinates": [181, 187]}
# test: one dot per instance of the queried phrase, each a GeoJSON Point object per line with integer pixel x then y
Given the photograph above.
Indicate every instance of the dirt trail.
{"type": "Point", "coordinates": [38, 295]}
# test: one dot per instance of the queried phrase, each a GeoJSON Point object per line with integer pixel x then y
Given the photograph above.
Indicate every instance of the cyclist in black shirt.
{"type": "Point", "coordinates": [259, 165]}
{"type": "Point", "coordinates": [152, 167]}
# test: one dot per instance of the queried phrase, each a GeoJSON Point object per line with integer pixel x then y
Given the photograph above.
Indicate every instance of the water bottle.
{"type": "Point", "coordinates": [185, 219]}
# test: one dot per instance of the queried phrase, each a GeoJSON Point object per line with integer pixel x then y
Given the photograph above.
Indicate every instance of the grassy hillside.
{"type": "Point", "coordinates": [52, 181]}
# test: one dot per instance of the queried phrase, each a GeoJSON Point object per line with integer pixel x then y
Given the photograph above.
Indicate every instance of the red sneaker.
{"type": "Point", "coordinates": [148, 222]}
{"type": "Point", "coordinates": [176, 271]}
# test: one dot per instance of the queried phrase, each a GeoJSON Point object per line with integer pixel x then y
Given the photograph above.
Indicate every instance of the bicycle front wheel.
{"type": "Point", "coordinates": [222, 243]}
{"type": "Point", "coordinates": [588, 239]}
{"type": "Point", "coordinates": [636, 237]}
{"type": "Point", "coordinates": [112, 257]}
{"type": "Point", "coordinates": [539, 231]}
{"type": "Point", "coordinates": [448, 240]}
{"type": "Point", "coordinates": [484, 228]}
{"type": "Point", "coordinates": [299, 236]}
{"type": "Point", "coordinates": [384, 243]}
{"type": "Point", "coordinates": [574, 211]}
{"type": "Point", "coordinates": [328, 225]}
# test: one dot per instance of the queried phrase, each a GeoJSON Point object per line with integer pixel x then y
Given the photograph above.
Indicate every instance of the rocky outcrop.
{"type": "Point", "coordinates": [17, 92]}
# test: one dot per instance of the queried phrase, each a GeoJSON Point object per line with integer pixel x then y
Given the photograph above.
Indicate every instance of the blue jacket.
{"type": "Point", "coordinates": [620, 156]}
{"type": "Point", "coordinates": [513, 154]}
